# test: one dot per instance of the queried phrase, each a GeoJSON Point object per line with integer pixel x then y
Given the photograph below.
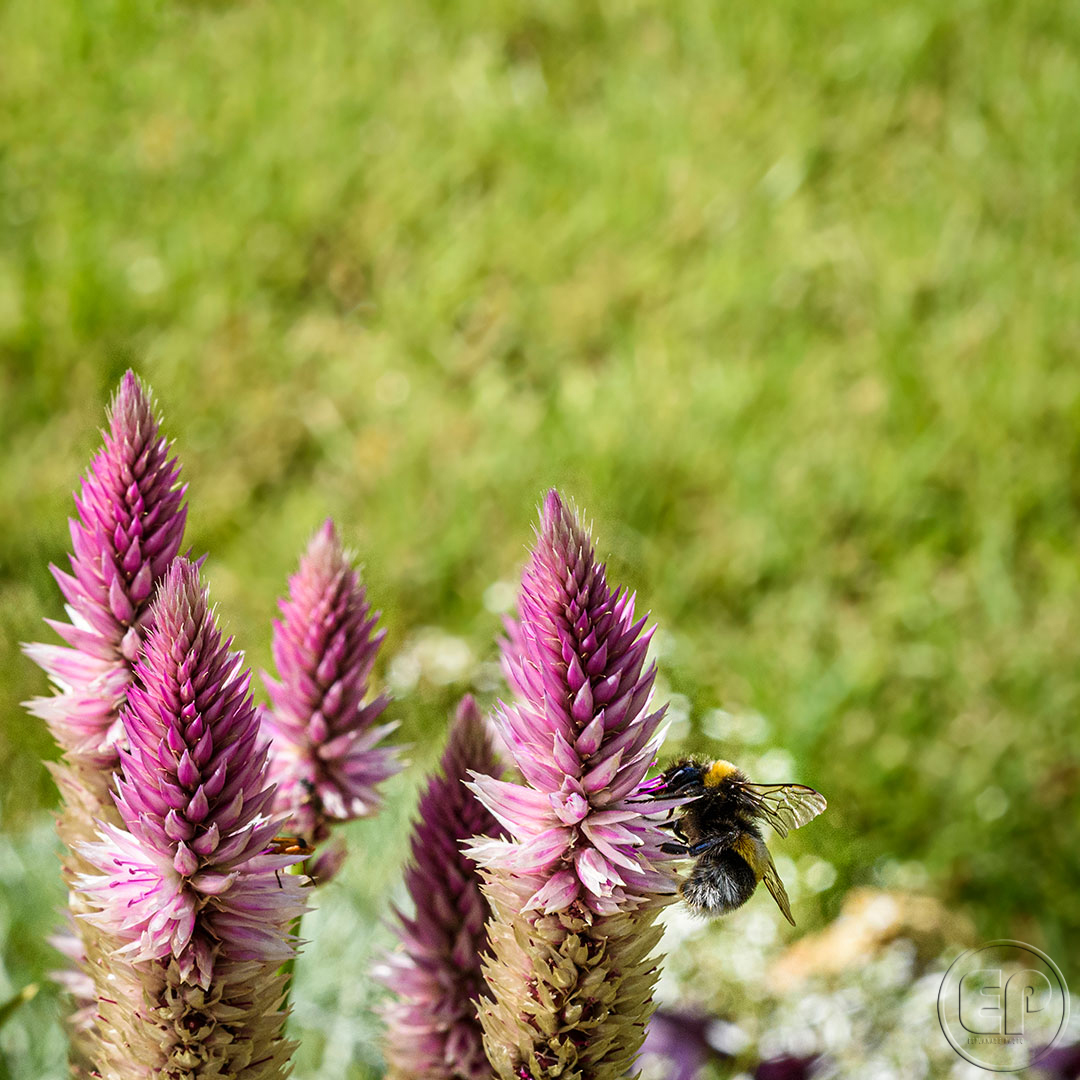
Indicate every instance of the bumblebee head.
{"type": "Point", "coordinates": [683, 777]}
{"type": "Point", "coordinates": [690, 777]}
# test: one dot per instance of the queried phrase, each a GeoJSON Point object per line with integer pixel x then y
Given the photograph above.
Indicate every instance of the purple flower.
{"type": "Point", "coordinates": [786, 1068]}
{"type": "Point", "coordinates": [191, 901]}
{"type": "Point", "coordinates": [433, 1030]}
{"type": "Point", "coordinates": [324, 753]}
{"type": "Point", "coordinates": [193, 795]}
{"type": "Point", "coordinates": [577, 886]}
{"type": "Point", "coordinates": [579, 732]}
{"type": "Point", "coordinates": [1061, 1063]}
{"type": "Point", "coordinates": [678, 1044]}
{"type": "Point", "coordinates": [129, 527]}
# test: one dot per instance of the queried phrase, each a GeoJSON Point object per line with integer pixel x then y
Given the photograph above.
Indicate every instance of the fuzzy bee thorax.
{"type": "Point", "coordinates": [718, 772]}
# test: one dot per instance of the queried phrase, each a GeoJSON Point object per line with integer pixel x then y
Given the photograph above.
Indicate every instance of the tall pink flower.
{"type": "Point", "coordinates": [433, 1030]}
{"type": "Point", "coordinates": [189, 895]}
{"type": "Point", "coordinates": [324, 751]}
{"type": "Point", "coordinates": [129, 526]}
{"type": "Point", "coordinates": [577, 886]}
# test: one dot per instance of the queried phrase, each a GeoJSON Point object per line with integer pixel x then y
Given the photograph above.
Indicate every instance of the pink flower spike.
{"type": "Point", "coordinates": [129, 524]}
{"type": "Point", "coordinates": [566, 599]}
{"type": "Point", "coordinates": [433, 1030]}
{"type": "Point", "coordinates": [323, 753]}
{"type": "Point", "coordinates": [193, 910]}
{"type": "Point", "coordinates": [585, 867]}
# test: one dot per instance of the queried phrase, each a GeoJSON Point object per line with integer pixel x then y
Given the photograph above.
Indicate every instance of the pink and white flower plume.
{"type": "Point", "coordinates": [129, 525]}
{"type": "Point", "coordinates": [194, 910]}
{"type": "Point", "coordinates": [433, 1032]}
{"type": "Point", "coordinates": [324, 752]}
{"type": "Point", "coordinates": [577, 885]}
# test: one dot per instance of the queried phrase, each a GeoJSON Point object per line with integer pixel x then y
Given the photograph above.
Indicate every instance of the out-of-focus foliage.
{"type": "Point", "coordinates": [784, 295]}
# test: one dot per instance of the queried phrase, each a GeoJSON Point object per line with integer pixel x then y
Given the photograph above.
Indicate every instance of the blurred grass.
{"type": "Point", "coordinates": [785, 297]}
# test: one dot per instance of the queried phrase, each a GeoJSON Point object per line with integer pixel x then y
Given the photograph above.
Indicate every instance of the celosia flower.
{"type": "Point", "coordinates": [192, 905]}
{"type": "Point", "coordinates": [129, 526]}
{"type": "Point", "coordinates": [433, 1030]}
{"type": "Point", "coordinates": [578, 733]}
{"type": "Point", "coordinates": [324, 755]}
{"type": "Point", "coordinates": [577, 887]}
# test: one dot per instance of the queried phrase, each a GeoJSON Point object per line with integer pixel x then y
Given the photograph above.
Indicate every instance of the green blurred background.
{"type": "Point", "coordinates": [785, 296]}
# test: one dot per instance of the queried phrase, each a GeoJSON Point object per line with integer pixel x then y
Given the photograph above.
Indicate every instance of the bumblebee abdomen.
{"type": "Point", "coordinates": [751, 849]}
{"type": "Point", "coordinates": [720, 881]}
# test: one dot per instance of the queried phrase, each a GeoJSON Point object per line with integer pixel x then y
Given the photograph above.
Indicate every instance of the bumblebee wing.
{"type": "Point", "coordinates": [784, 806]}
{"type": "Point", "coordinates": [776, 887]}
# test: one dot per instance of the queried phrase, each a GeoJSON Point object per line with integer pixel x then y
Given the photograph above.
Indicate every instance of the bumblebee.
{"type": "Point", "coordinates": [719, 828]}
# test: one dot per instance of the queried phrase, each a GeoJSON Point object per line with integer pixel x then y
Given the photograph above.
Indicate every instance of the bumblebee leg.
{"type": "Point", "coordinates": [686, 848]}
{"type": "Point", "coordinates": [687, 790]}
{"type": "Point", "coordinates": [707, 845]}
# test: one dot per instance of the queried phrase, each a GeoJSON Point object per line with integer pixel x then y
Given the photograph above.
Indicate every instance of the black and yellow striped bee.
{"type": "Point", "coordinates": [720, 829]}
